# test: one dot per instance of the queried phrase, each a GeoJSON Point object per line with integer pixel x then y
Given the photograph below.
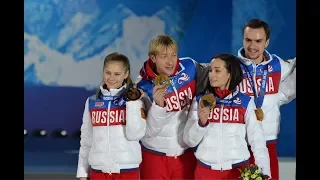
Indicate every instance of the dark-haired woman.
{"type": "Point", "coordinates": [219, 123]}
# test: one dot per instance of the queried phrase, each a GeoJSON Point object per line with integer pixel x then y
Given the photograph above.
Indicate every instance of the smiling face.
{"type": "Point", "coordinates": [219, 76]}
{"type": "Point", "coordinates": [163, 51]}
{"type": "Point", "coordinates": [114, 74]}
{"type": "Point", "coordinates": [254, 43]}
{"type": "Point", "coordinates": [165, 60]}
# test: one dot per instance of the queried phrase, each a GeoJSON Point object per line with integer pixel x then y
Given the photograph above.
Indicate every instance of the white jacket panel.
{"type": "Point", "coordinates": [110, 134]}
{"type": "Point", "coordinates": [222, 143]}
{"type": "Point", "coordinates": [280, 88]}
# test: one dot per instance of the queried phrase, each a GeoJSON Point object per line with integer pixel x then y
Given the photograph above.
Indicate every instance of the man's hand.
{"type": "Point", "coordinates": [158, 94]}
{"type": "Point", "coordinates": [83, 178]}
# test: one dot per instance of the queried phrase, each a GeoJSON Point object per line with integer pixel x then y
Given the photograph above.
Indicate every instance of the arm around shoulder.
{"type": "Point", "coordinates": [287, 67]}
{"type": "Point", "coordinates": [202, 76]}
{"type": "Point", "coordinates": [287, 89]}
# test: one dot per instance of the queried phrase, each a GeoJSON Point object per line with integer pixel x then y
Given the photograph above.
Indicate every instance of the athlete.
{"type": "Point", "coordinates": [269, 79]}
{"type": "Point", "coordinates": [112, 126]}
{"type": "Point", "coordinates": [165, 155]}
{"type": "Point", "coordinates": [219, 122]}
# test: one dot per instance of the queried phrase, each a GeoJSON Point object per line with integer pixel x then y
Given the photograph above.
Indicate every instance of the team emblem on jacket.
{"type": "Point", "coordinates": [272, 85]}
{"type": "Point", "coordinates": [184, 77]}
{"type": "Point", "coordinates": [227, 115]}
{"type": "Point", "coordinates": [179, 100]}
{"type": "Point", "coordinates": [99, 104]}
{"type": "Point", "coordinates": [101, 117]}
{"type": "Point", "coordinates": [237, 100]}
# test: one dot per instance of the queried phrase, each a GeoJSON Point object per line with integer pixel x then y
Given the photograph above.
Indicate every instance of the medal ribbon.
{"type": "Point", "coordinates": [258, 98]}
{"type": "Point", "coordinates": [224, 101]}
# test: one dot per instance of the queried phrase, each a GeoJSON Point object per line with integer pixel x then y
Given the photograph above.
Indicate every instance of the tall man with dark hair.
{"type": "Point", "coordinates": [269, 79]}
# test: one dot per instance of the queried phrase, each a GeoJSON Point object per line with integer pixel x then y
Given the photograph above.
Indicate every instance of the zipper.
{"type": "Point", "coordinates": [221, 135]}
{"type": "Point", "coordinates": [108, 133]}
{"type": "Point", "coordinates": [176, 93]}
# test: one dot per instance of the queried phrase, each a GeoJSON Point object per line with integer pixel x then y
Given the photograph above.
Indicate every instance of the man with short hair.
{"type": "Point", "coordinates": [269, 79]}
{"type": "Point", "coordinates": [164, 153]}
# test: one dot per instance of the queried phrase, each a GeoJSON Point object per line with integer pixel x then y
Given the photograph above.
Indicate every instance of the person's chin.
{"type": "Point", "coordinates": [213, 85]}
{"type": "Point", "coordinates": [169, 72]}
{"type": "Point", "coordinates": [112, 86]}
{"type": "Point", "coordinates": [253, 57]}
{"type": "Point", "coordinates": [166, 73]}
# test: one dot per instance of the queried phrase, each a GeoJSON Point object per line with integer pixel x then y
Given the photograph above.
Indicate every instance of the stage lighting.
{"type": "Point", "coordinates": [40, 133]}
{"type": "Point", "coordinates": [25, 132]}
{"type": "Point", "coordinates": [60, 133]}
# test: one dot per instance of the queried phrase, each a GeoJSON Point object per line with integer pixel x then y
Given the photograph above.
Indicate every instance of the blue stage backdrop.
{"type": "Point", "coordinates": [65, 42]}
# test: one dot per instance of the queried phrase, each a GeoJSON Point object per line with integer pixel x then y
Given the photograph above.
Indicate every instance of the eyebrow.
{"type": "Point", "coordinates": [114, 72]}
{"type": "Point", "coordinates": [167, 53]}
{"type": "Point", "coordinates": [253, 39]}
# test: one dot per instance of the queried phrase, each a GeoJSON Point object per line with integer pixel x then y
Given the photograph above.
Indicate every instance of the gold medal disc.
{"type": "Point", "coordinates": [208, 100]}
{"type": "Point", "coordinates": [259, 114]}
{"type": "Point", "coordinates": [162, 80]}
{"type": "Point", "coordinates": [134, 94]}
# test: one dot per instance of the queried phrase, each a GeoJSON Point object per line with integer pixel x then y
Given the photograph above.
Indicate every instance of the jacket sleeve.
{"type": "Point", "coordinates": [194, 130]}
{"type": "Point", "coordinates": [156, 115]}
{"type": "Point", "coordinates": [202, 76]}
{"type": "Point", "coordinates": [287, 66]}
{"type": "Point", "coordinates": [257, 140]}
{"type": "Point", "coordinates": [156, 119]}
{"type": "Point", "coordinates": [136, 120]}
{"type": "Point", "coordinates": [287, 89]}
{"type": "Point", "coordinates": [85, 143]}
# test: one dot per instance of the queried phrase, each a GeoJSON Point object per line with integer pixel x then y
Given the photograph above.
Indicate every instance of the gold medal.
{"type": "Point", "coordinates": [208, 100]}
{"type": "Point", "coordinates": [259, 114]}
{"type": "Point", "coordinates": [162, 80]}
{"type": "Point", "coordinates": [134, 94]}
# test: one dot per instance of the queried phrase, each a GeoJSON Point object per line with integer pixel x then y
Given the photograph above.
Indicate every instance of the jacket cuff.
{"type": "Point", "coordinates": [82, 172]}
{"type": "Point", "coordinates": [201, 124]}
{"type": "Point", "coordinates": [158, 111]}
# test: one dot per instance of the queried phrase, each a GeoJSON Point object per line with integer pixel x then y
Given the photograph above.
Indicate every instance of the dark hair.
{"type": "Point", "coordinates": [256, 24]}
{"type": "Point", "coordinates": [232, 64]}
{"type": "Point", "coordinates": [117, 57]}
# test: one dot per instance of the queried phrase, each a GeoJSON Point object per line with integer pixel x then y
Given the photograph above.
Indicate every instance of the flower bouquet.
{"type": "Point", "coordinates": [253, 172]}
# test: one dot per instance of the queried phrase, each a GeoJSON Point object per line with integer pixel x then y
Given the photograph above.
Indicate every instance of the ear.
{"type": "Point", "coordinates": [153, 58]}
{"type": "Point", "coordinates": [267, 43]}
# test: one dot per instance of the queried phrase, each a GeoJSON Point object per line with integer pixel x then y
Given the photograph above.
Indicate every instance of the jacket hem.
{"type": "Point", "coordinates": [122, 168]}
{"type": "Point", "coordinates": [163, 153]}
{"type": "Point", "coordinates": [215, 166]}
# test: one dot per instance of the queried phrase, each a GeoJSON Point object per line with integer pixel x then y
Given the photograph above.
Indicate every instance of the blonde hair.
{"type": "Point", "coordinates": [161, 41]}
